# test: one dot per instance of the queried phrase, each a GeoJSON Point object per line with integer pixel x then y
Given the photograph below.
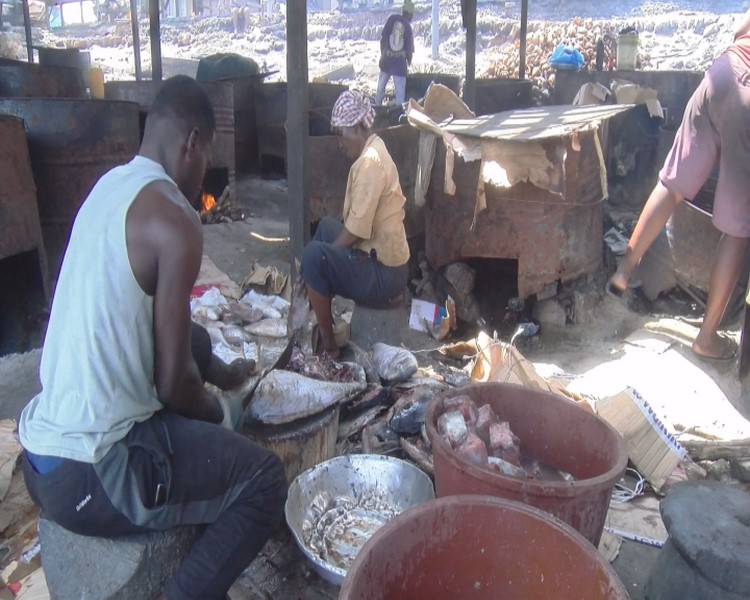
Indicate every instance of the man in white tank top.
{"type": "Point", "coordinates": [124, 437]}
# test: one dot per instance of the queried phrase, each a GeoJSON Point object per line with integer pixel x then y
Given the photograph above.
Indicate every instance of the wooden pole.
{"type": "Point", "coordinates": [155, 34]}
{"type": "Point", "coordinates": [470, 23]}
{"type": "Point", "coordinates": [435, 29]}
{"type": "Point", "coordinates": [27, 28]}
{"type": "Point", "coordinates": [297, 127]}
{"type": "Point", "coordinates": [524, 29]}
{"type": "Point", "coordinates": [136, 38]}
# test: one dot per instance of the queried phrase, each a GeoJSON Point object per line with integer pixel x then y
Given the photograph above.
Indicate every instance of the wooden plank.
{"type": "Point", "coordinates": [470, 24]}
{"type": "Point", "coordinates": [136, 38]}
{"type": "Point", "coordinates": [297, 128]}
{"type": "Point", "coordinates": [524, 29]}
{"type": "Point", "coordinates": [155, 34]}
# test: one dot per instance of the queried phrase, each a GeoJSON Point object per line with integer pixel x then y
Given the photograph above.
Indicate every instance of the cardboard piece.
{"type": "Point", "coordinates": [211, 276]}
{"type": "Point", "coordinates": [10, 450]}
{"type": "Point", "coordinates": [268, 281]}
{"type": "Point", "coordinates": [652, 449]}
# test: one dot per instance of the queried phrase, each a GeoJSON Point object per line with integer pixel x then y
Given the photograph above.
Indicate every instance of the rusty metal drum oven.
{"type": "Point", "coordinates": [552, 237]}
{"type": "Point", "coordinates": [20, 230]}
{"type": "Point", "coordinates": [222, 99]}
{"type": "Point", "coordinates": [24, 80]}
{"type": "Point", "coordinates": [71, 143]}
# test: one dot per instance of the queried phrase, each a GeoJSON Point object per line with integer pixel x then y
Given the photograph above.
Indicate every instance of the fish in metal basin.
{"type": "Point", "coordinates": [284, 396]}
{"type": "Point", "coordinates": [393, 364]}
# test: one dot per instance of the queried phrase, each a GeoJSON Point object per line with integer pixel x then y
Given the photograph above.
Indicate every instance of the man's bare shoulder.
{"type": "Point", "coordinates": [162, 202]}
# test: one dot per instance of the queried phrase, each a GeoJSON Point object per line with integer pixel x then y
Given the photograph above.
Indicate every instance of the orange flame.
{"type": "Point", "coordinates": [207, 202]}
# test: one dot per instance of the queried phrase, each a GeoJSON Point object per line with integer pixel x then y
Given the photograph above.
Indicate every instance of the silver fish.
{"type": "Point", "coordinates": [235, 336]}
{"type": "Point", "coordinates": [363, 358]}
{"type": "Point", "coordinates": [283, 396]}
{"type": "Point", "coordinates": [393, 364]}
{"type": "Point", "coordinates": [246, 312]}
{"type": "Point", "coordinates": [408, 413]}
{"type": "Point", "coordinates": [275, 328]}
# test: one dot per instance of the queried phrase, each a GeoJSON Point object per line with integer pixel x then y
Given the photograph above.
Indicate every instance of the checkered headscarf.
{"type": "Point", "coordinates": [352, 107]}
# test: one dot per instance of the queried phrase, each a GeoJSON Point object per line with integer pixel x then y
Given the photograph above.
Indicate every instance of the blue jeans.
{"type": "Point", "coordinates": [349, 272]}
{"type": "Point", "coordinates": [399, 83]}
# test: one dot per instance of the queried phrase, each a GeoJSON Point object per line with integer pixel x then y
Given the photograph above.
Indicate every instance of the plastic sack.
{"type": "Point", "coordinates": [565, 57]}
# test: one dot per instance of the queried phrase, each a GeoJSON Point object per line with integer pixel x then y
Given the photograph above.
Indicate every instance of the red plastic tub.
{"type": "Point", "coordinates": [553, 430]}
{"type": "Point", "coordinates": [481, 548]}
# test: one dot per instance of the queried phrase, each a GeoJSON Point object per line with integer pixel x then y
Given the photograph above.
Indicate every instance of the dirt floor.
{"type": "Point", "coordinates": [614, 349]}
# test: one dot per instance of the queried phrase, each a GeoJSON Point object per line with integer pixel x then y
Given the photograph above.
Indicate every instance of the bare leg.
{"type": "Point", "coordinates": [659, 207]}
{"type": "Point", "coordinates": [725, 271]}
{"type": "Point", "coordinates": [321, 306]}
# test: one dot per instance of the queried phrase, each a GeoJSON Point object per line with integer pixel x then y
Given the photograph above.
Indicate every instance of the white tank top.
{"type": "Point", "coordinates": [98, 358]}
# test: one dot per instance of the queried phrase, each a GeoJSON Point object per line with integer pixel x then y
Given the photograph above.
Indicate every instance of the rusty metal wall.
{"type": "Point", "coordinates": [71, 144]}
{"type": "Point", "coordinates": [221, 95]}
{"type": "Point", "coordinates": [20, 229]}
{"type": "Point", "coordinates": [674, 88]}
{"type": "Point", "coordinates": [329, 172]}
{"type": "Point", "coordinates": [552, 237]}
{"type": "Point", "coordinates": [271, 106]}
{"type": "Point", "coordinates": [38, 81]}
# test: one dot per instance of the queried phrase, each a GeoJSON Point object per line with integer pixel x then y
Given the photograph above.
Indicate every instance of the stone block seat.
{"type": "Point", "coordinates": [707, 555]}
{"type": "Point", "coordinates": [387, 323]}
{"type": "Point", "coordinates": [122, 568]}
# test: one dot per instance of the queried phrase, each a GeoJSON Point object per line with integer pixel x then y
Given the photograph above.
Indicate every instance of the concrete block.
{"type": "Point", "coordinates": [550, 312]}
{"type": "Point", "coordinates": [388, 324]}
{"type": "Point", "coordinates": [584, 304]}
{"type": "Point", "coordinates": [122, 568]}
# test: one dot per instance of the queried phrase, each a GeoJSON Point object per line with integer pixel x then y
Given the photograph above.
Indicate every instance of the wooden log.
{"type": "Point", "coordinates": [714, 450]}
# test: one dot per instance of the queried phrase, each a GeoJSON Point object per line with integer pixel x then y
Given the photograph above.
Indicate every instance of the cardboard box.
{"type": "Point", "coordinates": [652, 449]}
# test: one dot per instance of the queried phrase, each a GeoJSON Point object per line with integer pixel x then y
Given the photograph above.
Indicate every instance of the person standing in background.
{"type": "Point", "coordinates": [396, 50]}
{"type": "Point", "coordinates": [715, 129]}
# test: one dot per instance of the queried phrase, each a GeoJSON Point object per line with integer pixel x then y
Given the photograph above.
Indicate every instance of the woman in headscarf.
{"type": "Point", "coordinates": [365, 257]}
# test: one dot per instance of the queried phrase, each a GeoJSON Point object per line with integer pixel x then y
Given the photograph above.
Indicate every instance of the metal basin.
{"type": "Point", "coordinates": [400, 483]}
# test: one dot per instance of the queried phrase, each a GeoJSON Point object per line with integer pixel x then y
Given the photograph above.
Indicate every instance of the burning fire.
{"type": "Point", "coordinates": [207, 202]}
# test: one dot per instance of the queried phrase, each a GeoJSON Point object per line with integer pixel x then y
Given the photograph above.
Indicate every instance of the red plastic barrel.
{"type": "Point", "coordinates": [481, 548]}
{"type": "Point", "coordinates": [552, 430]}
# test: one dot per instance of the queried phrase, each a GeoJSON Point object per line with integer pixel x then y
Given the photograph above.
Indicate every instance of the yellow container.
{"type": "Point", "coordinates": [96, 82]}
{"type": "Point", "coordinates": [627, 50]}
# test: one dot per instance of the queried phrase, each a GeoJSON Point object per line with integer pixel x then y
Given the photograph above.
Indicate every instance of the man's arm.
{"type": "Point", "coordinates": [744, 26]}
{"type": "Point", "coordinates": [345, 239]}
{"type": "Point", "coordinates": [167, 260]}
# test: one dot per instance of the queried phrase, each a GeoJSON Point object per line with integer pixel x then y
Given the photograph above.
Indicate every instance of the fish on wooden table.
{"type": "Point", "coordinates": [284, 396]}
{"type": "Point", "coordinates": [393, 364]}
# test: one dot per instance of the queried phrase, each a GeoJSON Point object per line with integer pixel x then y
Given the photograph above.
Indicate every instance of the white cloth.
{"type": "Point", "coordinates": [98, 357]}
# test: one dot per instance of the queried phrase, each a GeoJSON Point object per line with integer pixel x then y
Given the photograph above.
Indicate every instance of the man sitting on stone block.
{"type": "Point", "coordinates": [124, 437]}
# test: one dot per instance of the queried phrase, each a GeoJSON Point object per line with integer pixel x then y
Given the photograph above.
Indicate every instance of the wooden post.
{"type": "Point", "coordinates": [27, 28]}
{"type": "Point", "coordinates": [470, 23]}
{"type": "Point", "coordinates": [136, 37]}
{"type": "Point", "coordinates": [435, 29]}
{"type": "Point", "coordinates": [524, 29]}
{"type": "Point", "coordinates": [155, 34]}
{"type": "Point", "coordinates": [744, 363]}
{"type": "Point", "coordinates": [297, 127]}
